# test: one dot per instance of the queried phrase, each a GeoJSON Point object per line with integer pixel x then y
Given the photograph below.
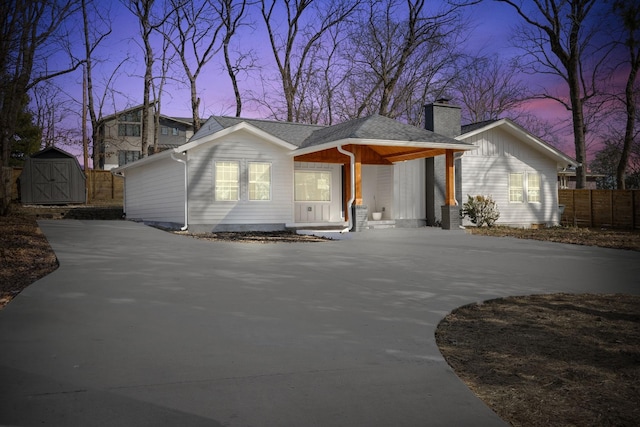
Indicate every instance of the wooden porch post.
{"type": "Point", "coordinates": [357, 151]}
{"type": "Point", "coordinates": [450, 197]}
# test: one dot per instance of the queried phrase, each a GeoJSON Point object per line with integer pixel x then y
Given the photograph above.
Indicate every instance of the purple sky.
{"type": "Point", "coordinates": [492, 25]}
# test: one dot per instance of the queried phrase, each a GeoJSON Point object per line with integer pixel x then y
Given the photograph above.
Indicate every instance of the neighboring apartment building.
{"type": "Point", "coordinates": [120, 136]}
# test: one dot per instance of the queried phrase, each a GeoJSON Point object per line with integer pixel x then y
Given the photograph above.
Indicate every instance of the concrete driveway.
{"type": "Point", "coordinates": [139, 327]}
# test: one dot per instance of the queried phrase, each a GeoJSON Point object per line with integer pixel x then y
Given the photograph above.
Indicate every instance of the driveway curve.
{"type": "Point", "coordinates": [142, 327]}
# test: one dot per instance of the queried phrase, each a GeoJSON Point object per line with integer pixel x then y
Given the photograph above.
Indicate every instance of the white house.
{"type": "Point", "coordinates": [518, 170]}
{"type": "Point", "coordinates": [237, 174]}
{"type": "Point", "coordinates": [256, 174]}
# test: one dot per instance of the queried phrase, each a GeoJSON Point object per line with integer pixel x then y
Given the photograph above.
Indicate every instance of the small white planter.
{"type": "Point", "coordinates": [377, 216]}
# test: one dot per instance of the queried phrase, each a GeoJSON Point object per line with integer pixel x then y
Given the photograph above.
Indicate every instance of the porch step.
{"type": "Point", "coordinates": [381, 224]}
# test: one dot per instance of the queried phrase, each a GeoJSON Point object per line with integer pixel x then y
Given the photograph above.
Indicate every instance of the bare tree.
{"type": "Point", "coordinates": [558, 36]}
{"type": "Point", "coordinates": [51, 107]}
{"type": "Point", "coordinates": [629, 13]}
{"type": "Point", "coordinates": [399, 51]}
{"type": "Point", "coordinates": [95, 31]}
{"type": "Point", "coordinates": [307, 21]}
{"type": "Point", "coordinates": [149, 22]}
{"type": "Point", "coordinates": [30, 32]}
{"type": "Point", "coordinates": [488, 89]}
{"type": "Point", "coordinates": [231, 13]}
{"type": "Point", "coordinates": [196, 41]}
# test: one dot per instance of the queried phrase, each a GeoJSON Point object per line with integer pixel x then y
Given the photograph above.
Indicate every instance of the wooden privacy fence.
{"type": "Point", "coordinates": [601, 208]}
{"type": "Point", "coordinates": [103, 187]}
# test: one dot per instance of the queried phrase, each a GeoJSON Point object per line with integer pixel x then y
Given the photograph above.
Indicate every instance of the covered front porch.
{"type": "Point", "coordinates": [365, 167]}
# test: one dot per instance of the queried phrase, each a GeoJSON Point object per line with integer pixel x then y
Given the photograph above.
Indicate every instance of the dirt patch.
{"type": "Point", "coordinates": [550, 359]}
{"type": "Point", "coordinates": [256, 236]}
{"type": "Point", "coordinates": [25, 255]}
{"type": "Point", "coordinates": [605, 238]}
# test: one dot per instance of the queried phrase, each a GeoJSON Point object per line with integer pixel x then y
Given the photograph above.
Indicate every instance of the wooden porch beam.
{"type": "Point", "coordinates": [415, 154]}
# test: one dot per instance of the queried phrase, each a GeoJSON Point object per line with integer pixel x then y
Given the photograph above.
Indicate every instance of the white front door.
{"type": "Point", "coordinates": [318, 195]}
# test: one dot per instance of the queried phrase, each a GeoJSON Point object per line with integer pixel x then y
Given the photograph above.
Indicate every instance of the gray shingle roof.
{"type": "Point", "coordinates": [293, 133]}
{"type": "Point", "coordinates": [373, 127]}
{"type": "Point", "coordinates": [475, 126]}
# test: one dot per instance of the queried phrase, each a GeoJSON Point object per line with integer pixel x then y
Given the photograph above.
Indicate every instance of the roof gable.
{"type": "Point", "coordinates": [52, 153]}
{"type": "Point", "coordinates": [522, 135]}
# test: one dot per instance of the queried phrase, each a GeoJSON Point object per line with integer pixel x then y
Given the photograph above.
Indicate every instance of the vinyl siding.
{"type": "Point", "coordinates": [486, 172]}
{"type": "Point", "coordinates": [241, 147]}
{"type": "Point", "coordinates": [156, 192]}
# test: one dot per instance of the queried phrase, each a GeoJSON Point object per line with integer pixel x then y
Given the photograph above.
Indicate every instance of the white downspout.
{"type": "Point", "coordinates": [186, 195]}
{"type": "Point", "coordinates": [353, 184]}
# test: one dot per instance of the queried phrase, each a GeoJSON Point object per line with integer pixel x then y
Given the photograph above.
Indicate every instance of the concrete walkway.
{"type": "Point", "coordinates": [139, 327]}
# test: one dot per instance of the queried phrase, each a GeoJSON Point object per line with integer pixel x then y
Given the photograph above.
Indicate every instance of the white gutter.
{"type": "Point", "coordinates": [186, 195]}
{"type": "Point", "coordinates": [353, 183]}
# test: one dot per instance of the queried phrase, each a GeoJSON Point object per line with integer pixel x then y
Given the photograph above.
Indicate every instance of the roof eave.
{"type": "Point", "coordinates": [462, 146]}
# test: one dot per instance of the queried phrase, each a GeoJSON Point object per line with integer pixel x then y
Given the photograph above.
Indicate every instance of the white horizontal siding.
{"type": "Point", "coordinates": [243, 148]}
{"type": "Point", "coordinates": [156, 192]}
{"type": "Point", "coordinates": [488, 174]}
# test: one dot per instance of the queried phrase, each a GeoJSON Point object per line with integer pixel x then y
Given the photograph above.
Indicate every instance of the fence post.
{"type": "Point", "coordinates": [611, 208]}
{"type": "Point", "coordinates": [590, 208]}
{"type": "Point", "coordinates": [633, 209]}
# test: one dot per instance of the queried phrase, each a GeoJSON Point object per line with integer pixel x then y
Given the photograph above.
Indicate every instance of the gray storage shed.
{"type": "Point", "coordinates": [52, 177]}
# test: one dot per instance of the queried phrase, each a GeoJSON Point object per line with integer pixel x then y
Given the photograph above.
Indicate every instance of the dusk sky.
{"type": "Point", "coordinates": [491, 29]}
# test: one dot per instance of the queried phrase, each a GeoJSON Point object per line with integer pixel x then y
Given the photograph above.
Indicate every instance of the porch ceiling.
{"type": "Point", "coordinates": [372, 154]}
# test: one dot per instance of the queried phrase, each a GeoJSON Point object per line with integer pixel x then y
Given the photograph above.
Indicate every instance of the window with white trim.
{"type": "Point", "coordinates": [312, 186]}
{"type": "Point", "coordinates": [533, 188]}
{"type": "Point", "coordinates": [516, 187]}
{"type": "Point", "coordinates": [227, 184]}
{"type": "Point", "coordinates": [259, 181]}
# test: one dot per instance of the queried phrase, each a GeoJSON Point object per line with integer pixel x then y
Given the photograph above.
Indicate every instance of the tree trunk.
{"type": "Point", "coordinates": [631, 121]}
{"type": "Point", "coordinates": [195, 104]}
{"type": "Point", "coordinates": [234, 80]}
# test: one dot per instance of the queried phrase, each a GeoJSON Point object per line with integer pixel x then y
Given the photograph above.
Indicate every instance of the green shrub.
{"type": "Point", "coordinates": [480, 210]}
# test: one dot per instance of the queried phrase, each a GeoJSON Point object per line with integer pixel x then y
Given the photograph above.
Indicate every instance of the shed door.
{"type": "Point", "coordinates": [51, 181]}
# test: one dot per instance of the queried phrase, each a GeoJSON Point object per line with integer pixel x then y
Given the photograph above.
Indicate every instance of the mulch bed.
{"type": "Point", "coordinates": [25, 255]}
{"type": "Point", "coordinates": [604, 238]}
{"type": "Point", "coordinates": [256, 236]}
{"type": "Point", "coordinates": [546, 360]}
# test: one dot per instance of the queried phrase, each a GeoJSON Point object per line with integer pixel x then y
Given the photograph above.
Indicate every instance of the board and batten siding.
{"type": "Point", "coordinates": [485, 171]}
{"type": "Point", "coordinates": [409, 194]}
{"type": "Point", "coordinates": [242, 147]}
{"type": "Point", "coordinates": [377, 189]}
{"type": "Point", "coordinates": [155, 193]}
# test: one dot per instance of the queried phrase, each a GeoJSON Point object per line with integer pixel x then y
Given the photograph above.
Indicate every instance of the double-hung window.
{"type": "Point", "coordinates": [533, 188]}
{"type": "Point", "coordinates": [227, 184]}
{"type": "Point", "coordinates": [521, 185]}
{"type": "Point", "coordinates": [516, 187]}
{"type": "Point", "coordinates": [259, 181]}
